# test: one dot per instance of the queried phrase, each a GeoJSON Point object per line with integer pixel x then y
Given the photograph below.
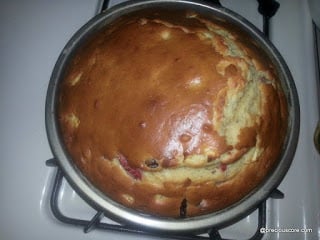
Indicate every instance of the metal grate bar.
{"type": "Point", "coordinates": [267, 8]}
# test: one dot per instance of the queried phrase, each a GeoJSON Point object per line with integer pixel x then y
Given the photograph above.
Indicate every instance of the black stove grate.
{"type": "Point", "coordinates": [95, 222]}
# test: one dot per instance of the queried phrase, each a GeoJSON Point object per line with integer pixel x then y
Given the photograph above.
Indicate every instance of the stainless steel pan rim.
{"type": "Point", "coordinates": [120, 213]}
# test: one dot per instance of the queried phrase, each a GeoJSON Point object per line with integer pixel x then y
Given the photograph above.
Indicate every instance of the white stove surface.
{"type": "Point", "coordinates": [33, 34]}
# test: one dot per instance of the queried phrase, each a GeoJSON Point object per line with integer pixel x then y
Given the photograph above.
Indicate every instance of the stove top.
{"type": "Point", "coordinates": [33, 35]}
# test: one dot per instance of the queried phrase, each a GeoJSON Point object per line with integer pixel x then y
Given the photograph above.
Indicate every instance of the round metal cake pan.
{"type": "Point", "coordinates": [129, 216]}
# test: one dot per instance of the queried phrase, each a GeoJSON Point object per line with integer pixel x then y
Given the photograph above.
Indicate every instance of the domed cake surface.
{"type": "Point", "coordinates": [172, 118]}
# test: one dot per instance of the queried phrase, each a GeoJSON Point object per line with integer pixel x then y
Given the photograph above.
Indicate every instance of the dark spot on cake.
{"type": "Point", "coordinates": [169, 162]}
{"type": "Point", "coordinates": [183, 208]}
{"type": "Point", "coordinates": [211, 158]}
{"type": "Point", "coordinates": [104, 157]}
{"type": "Point", "coordinates": [207, 128]}
{"type": "Point", "coordinates": [187, 182]}
{"type": "Point", "coordinates": [231, 70]}
{"type": "Point", "coordinates": [153, 103]}
{"type": "Point", "coordinates": [223, 167]}
{"type": "Point", "coordinates": [186, 154]}
{"type": "Point", "coordinates": [152, 163]}
{"type": "Point", "coordinates": [185, 138]}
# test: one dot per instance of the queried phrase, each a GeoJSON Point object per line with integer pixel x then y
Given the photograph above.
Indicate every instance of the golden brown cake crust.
{"type": "Point", "coordinates": [170, 119]}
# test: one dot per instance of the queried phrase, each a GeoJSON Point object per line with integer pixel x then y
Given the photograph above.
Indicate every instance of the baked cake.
{"type": "Point", "coordinates": [173, 118]}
